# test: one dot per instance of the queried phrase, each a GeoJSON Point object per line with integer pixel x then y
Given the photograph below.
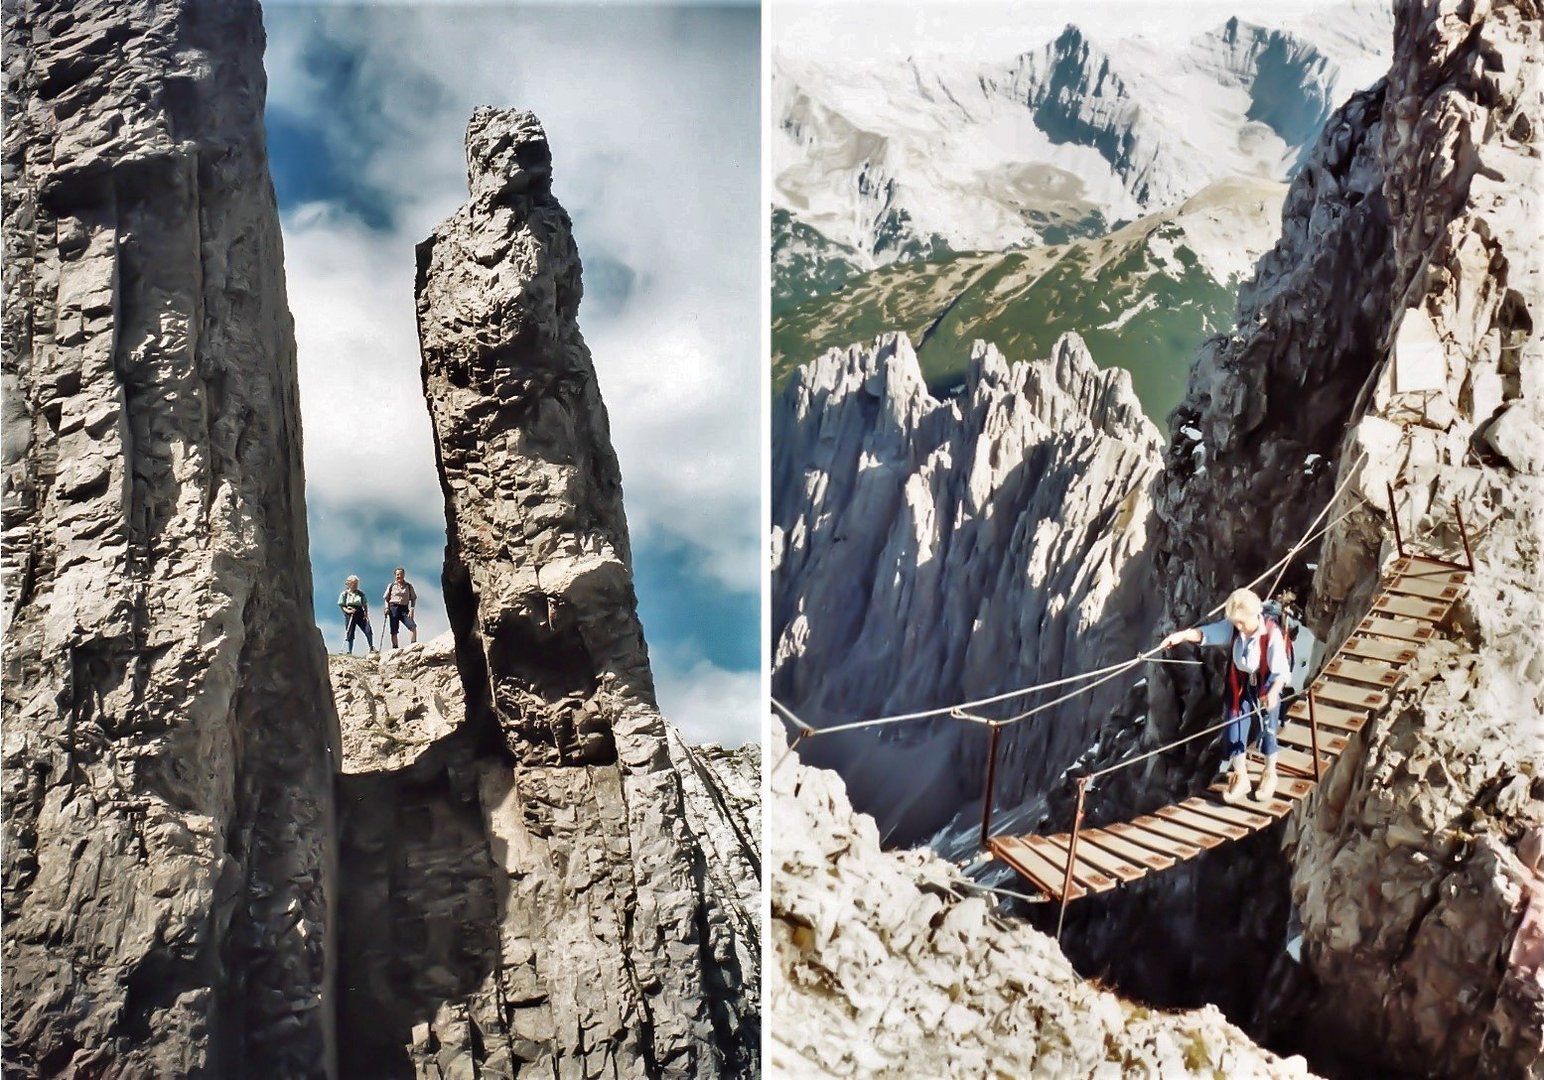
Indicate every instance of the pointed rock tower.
{"type": "Point", "coordinates": [628, 939]}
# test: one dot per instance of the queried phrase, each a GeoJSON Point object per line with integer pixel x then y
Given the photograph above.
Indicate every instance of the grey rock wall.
{"type": "Point", "coordinates": [893, 964]}
{"type": "Point", "coordinates": [441, 979]}
{"type": "Point", "coordinates": [929, 551]}
{"type": "Point", "coordinates": [625, 942]}
{"type": "Point", "coordinates": [168, 864]}
{"type": "Point", "coordinates": [1394, 332]}
{"type": "Point", "coordinates": [1417, 877]}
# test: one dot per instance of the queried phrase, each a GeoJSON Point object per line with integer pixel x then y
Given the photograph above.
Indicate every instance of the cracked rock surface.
{"type": "Point", "coordinates": [626, 936]}
{"type": "Point", "coordinates": [168, 860]}
{"type": "Point", "coordinates": [1391, 338]}
{"type": "Point", "coordinates": [896, 965]}
{"type": "Point", "coordinates": [930, 551]}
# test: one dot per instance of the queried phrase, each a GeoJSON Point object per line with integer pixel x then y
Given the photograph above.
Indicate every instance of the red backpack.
{"type": "Point", "coordinates": [1273, 625]}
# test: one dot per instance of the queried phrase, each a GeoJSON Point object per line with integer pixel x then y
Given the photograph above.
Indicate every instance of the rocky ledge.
{"type": "Point", "coordinates": [895, 965]}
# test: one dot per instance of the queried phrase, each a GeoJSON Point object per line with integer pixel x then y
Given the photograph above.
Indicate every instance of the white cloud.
{"type": "Point", "coordinates": [653, 117]}
{"type": "Point", "coordinates": [997, 30]}
{"type": "Point", "coordinates": [367, 433]}
{"type": "Point", "coordinates": [709, 704]}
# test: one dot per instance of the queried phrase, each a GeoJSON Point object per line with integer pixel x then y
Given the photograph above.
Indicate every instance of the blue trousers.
{"type": "Point", "coordinates": [397, 616]}
{"type": "Point", "coordinates": [1246, 718]}
{"type": "Point", "coordinates": [360, 621]}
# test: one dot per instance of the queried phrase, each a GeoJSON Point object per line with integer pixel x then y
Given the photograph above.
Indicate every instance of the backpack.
{"type": "Point", "coordinates": [1281, 617]}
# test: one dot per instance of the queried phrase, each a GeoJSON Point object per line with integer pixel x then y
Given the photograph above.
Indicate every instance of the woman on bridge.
{"type": "Point", "coordinates": [1257, 677]}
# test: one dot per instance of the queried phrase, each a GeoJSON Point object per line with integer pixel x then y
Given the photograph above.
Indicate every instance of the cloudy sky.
{"type": "Point", "coordinates": [652, 113]}
{"type": "Point", "coordinates": [994, 30]}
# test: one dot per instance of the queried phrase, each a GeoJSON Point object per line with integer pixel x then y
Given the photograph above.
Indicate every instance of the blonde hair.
{"type": "Point", "coordinates": [1243, 604]}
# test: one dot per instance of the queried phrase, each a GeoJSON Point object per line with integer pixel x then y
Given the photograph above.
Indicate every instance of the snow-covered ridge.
{"type": "Point", "coordinates": [889, 157]}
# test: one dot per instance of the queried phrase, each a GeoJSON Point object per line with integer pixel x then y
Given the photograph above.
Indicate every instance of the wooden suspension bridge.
{"type": "Point", "coordinates": [1353, 685]}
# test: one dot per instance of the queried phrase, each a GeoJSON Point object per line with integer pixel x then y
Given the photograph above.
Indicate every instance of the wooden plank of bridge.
{"type": "Point", "coordinates": [1247, 817]}
{"type": "Point", "coordinates": [1035, 867]}
{"type": "Point", "coordinates": [1370, 648]}
{"type": "Point", "coordinates": [1398, 629]}
{"type": "Point", "coordinates": [1425, 567]}
{"type": "Point", "coordinates": [1330, 742]}
{"type": "Point", "coordinates": [1125, 849]}
{"type": "Point", "coordinates": [1352, 720]}
{"type": "Point", "coordinates": [1435, 589]}
{"type": "Point", "coordinates": [1086, 870]}
{"type": "Point", "coordinates": [1410, 607]}
{"type": "Point", "coordinates": [1169, 830]}
{"type": "Point", "coordinates": [1181, 815]}
{"type": "Point", "coordinates": [1343, 667]}
{"type": "Point", "coordinates": [1329, 688]}
{"type": "Point", "coordinates": [1088, 876]}
{"type": "Point", "coordinates": [1162, 844]}
{"type": "Point", "coordinates": [1290, 788]}
{"type": "Point", "coordinates": [1296, 760]}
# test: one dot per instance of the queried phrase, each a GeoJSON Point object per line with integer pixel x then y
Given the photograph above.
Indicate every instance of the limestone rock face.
{"type": "Point", "coordinates": [1394, 331]}
{"type": "Point", "coordinates": [929, 551]}
{"type": "Point", "coordinates": [440, 981]}
{"type": "Point", "coordinates": [895, 965]}
{"type": "Point", "coordinates": [1415, 877]}
{"type": "Point", "coordinates": [168, 734]}
{"type": "Point", "coordinates": [395, 706]}
{"type": "Point", "coordinates": [623, 943]}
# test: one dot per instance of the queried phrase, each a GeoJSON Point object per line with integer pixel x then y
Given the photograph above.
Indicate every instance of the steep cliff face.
{"type": "Point", "coordinates": [895, 965]}
{"type": "Point", "coordinates": [439, 981]}
{"type": "Point", "coordinates": [621, 941]}
{"type": "Point", "coordinates": [933, 551]}
{"type": "Point", "coordinates": [1393, 331]}
{"type": "Point", "coordinates": [167, 771]}
{"type": "Point", "coordinates": [1417, 877]}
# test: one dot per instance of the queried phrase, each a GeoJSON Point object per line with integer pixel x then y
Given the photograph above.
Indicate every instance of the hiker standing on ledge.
{"type": "Point", "coordinates": [1259, 674]}
{"type": "Point", "coordinates": [356, 612]}
{"type": "Point", "coordinates": [401, 602]}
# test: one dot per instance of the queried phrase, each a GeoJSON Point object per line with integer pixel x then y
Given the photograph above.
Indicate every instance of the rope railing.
{"type": "Point", "coordinates": [1099, 676]}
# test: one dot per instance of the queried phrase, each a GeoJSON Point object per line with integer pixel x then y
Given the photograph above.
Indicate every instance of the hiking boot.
{"type": "Point", "coordinates": [1238, 785]}
{"type": "Point", "coordinates": [1267, 787]}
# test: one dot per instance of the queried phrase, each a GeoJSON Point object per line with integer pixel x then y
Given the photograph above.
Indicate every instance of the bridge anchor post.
{"type": "Point", "coordinates": [991, 776]}
{"type": "Point", "coordinates": [1072, 853]}
{"type": "Point", "coordinates": [1313, 732]}
{"type": "Point", "coordinates": [1463, 534]}
{"type": "Point", "coordinates": [1399, 540]}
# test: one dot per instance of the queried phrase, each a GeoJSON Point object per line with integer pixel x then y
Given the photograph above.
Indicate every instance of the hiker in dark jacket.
{"type": "Point", "coordinates": [401, 602]}
{"type": "Point", "coordinates": [1259, 674]}
{"type": "Point", "coordinates": [356, 612]}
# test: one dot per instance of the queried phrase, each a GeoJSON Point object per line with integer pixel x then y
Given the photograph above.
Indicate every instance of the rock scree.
{"type": "Point", "coordinates": [893, 964]}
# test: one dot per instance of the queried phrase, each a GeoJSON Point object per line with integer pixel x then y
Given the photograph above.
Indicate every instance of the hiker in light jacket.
{"type": "Point", "coordinates": [401, 601]}
{"type": "Point", "coordinates": [356, 612]}
{"type": "Point", "coordinates": [1260, 672]}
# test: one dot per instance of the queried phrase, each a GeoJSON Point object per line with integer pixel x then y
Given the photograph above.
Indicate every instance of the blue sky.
{"type": "Point", "coordinates": [652, 112]}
